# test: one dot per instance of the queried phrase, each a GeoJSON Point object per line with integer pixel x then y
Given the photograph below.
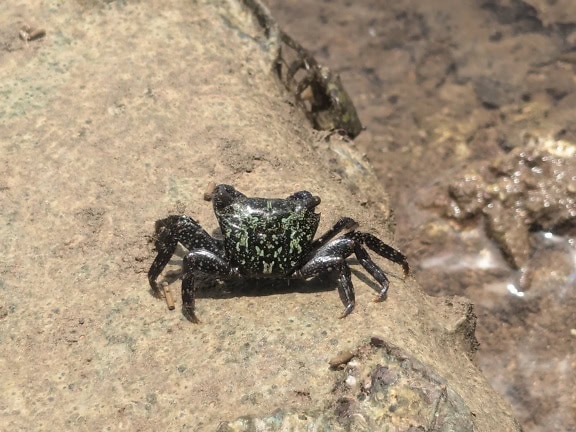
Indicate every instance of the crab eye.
{"type": "Point", "coordinates": [306, 199]}
{"type": "Point", "coordinates": [224, 195]}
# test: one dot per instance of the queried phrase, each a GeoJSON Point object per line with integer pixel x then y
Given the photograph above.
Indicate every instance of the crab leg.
{"type": "Point", "coordinates": [196, 262]}
{"type": "Point", "coordinates": [381, 248]}
{"type": "Point", "coordinates": [344, 223]}
{"type": "Point", "coordinates": [332, 257]}
{"type": "Point", "coordinates": [169, 232]}
{"type": "Point", "coordinates": [346, 289]}
{"type": "Point", "coordinates": [375, 271]}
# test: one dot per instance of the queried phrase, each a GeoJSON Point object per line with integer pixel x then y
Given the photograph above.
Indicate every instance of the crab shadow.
{"type": "Point", "coordinates": [215, 288]}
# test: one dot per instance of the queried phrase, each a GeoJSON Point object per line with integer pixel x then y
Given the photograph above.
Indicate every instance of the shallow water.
{"type": "Point", "coordinates": [446, 86]}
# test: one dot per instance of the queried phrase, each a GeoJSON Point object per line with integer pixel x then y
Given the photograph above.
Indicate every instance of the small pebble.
{"type": "Point", "coordinates": [342, 358]}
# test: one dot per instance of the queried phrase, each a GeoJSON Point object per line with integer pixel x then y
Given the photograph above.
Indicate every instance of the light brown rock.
{"type": "Point", "coordinates": [122, 114]}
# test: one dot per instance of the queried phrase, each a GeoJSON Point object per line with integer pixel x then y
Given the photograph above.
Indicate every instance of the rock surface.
{"type": "Point", "coordinates": [119, 115]}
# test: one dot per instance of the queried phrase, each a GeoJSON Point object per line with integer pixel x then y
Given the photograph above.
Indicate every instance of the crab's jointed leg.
{"type": "Point", "coordinates": [332, 257]}
{"type": "Point", "coordinates": [174, 230]}
{"type": "Point", "coordinates": [200, 261]}
{"type": "Point", "coordinates": [381, 248]}
{"type": "Point", "coordinates": [344, 223]}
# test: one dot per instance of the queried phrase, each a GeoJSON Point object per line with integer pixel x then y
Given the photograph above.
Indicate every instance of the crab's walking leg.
{"type": "Point", "coordinates": [305, 59]}
{"type": "Point", "coordinates": [332, 257]}
{"type": "Point", "coordinates": [346, 289]}
{"type": "Point", "coordinates": [293, 44]}
{"type": "Point", "coordinates": [381, 248]}
{"type": "Point", "coordinates": [196, 262]}
{"type": "Point", "coordinates": [166, 243]}
{"type": "Point", "coordinates": [169, 232]}
{"type": "Point", "coordinates": [342, 224]}
{"type": "Point", "coordinates": [375, 271]}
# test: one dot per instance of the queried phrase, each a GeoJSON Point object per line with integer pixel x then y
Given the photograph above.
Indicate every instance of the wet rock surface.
{"type": "Point", "coordinates": [530, 189]}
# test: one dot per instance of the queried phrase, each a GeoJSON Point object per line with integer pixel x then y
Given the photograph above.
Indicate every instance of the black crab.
{"type": "Point", "coordinates": [320, 92]}
{"type": "Point", "coordinates": [268, 238]}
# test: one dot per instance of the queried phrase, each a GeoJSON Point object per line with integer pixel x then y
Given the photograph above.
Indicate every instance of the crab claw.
{"type": "Point", "coordinates": [224, 195]}
{"type": "Point", "coordinates": [308, 200]}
